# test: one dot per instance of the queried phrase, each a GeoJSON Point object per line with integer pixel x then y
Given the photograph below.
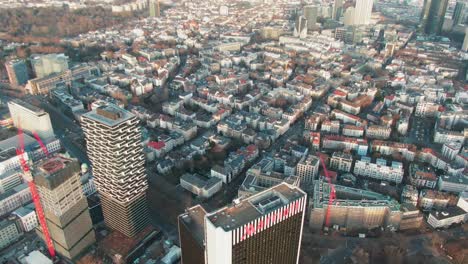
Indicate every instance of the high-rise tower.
{"type": "Point", "coordinates": [458, 16]}
{"type": "Point", "coordinates": [17, 71]}
{"type": "Point", "coordinates": [113, 139]}
{"type": "Point", "coordinates": [154, 8]}
{"type": "Point", "coordinates": [65, 207]}
{"type": "Point", "coordinates": [311, 13]}
{"type": "Point", "coordinates": [432, 16]}
{"type": "Point", "coordinates": [300, 28]}
{"type": "Point", "coordinates": [263, 228]}
{"type": "Point", "coordinates": [363, 12]}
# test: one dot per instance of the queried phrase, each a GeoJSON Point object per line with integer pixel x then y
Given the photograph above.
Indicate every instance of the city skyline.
{"type": "Point", "coordinates": [236, 132]}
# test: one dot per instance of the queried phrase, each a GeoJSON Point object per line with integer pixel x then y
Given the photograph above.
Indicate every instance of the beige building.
{"type": "Point", "coordinates": [65, 205]}
{"type": "Point", "coordinates": [353, 208]}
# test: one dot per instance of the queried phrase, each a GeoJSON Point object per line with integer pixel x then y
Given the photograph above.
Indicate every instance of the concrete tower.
{"type": "Point", "coordinates": [113, 138]}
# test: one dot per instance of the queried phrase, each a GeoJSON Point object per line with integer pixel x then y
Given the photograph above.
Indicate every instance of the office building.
{"type": "Point", "coordinates": [363, 12]}
{"type": "Point", "coordinates": [154, 8]}
{"type": "Point", "coordinates": [113, 138]}
{"type": "Point", "coordinates": [337, 11]}
{"type": "Point", "coordinates": [300, 27]}
{"type": "Point", "coordinates": [263, 228]}
{"type": "Point", "coordinates": [17, 72]}
{"type": "Point", "coordinates": [310, 14]}
{"type": "Point", "coordinates": [65, 206]}
{"type": "Point", "coordinates": [30, 118]}
{"type": "Point", "coordinates": [432, 16]}
{"type": "Point", "coordinates": [45, 65]}
{"type": "Point", "coordinates": [465, 40]}
{"type": "Point", "coordinates": [353, 208]}
{"type": "Point", "coordinates": [9, 232]}
{"type": "Point", "coordinates": [307, 169]}
{"type": "Point", "coordinates": [458, 16]}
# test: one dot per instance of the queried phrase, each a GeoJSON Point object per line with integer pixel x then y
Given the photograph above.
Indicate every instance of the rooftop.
{"type": "Point", "coordinates": [253, 207]}
{"type": "Point", "coordinates": [29, 107]}
{"type": "Point", "coordinates": [448, 213]}
{"type": "Point", "coordinates": [110, 115]}
{"type": "Point", "coordinates": [54, 170]}
{"type": "Point", "coordinates": [194, 220]}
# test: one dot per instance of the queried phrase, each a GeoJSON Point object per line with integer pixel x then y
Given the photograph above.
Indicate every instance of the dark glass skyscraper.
{"type": "Point", "coordinates": [459, 13]}
{"type": "Point", "coordinates": [432, 16]}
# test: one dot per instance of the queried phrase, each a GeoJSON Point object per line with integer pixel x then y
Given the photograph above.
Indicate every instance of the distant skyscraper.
{"type": "Point", "coordinates": [30, 118]}
{"type": "Point", "coordinates": [154, 8]}
{"type": "Point", "coordinates": [17, 72]}
{"type": "Point", "coordinates": [458, 16]}
{"type": "Point", "coordinates": [44, 65]}
{"type": "Point", "coordinates": [465, 41]}
{"type": "Point", "coordinates": [263, 228]}
{"type": "Point", "coordinates": [348, 16]}
{"type": "Point", "coordinates": [432, 16]}
{"type": "Point", "coordinates": [337, 9]}
{"type": "Point", "coordinates": [311, 13]}
{"type": "Point", "coordinates": [300, 28]}
{"type": "Point", "coordinates": [113, 139]}
{"type": "Point", "coordinates": [363, 12]}
{"type": "Point", "coordinates": [65, 206]}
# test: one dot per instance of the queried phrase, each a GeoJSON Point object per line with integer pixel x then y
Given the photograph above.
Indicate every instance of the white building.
{"type": "Point", "coordinates": [114, 147]}
{"type": "Point", "coordinates": [26, 217]}
{"type": "Point", "coordinates": [453, 183]}
{"type": "Point", "coordinates": [31, 118]}
{"type": "Point", "coordinates": [199, 186]}
{"type": "Point", "coordinates": [447, 217]}
{"type": "Point", "coordinates": [300, 28]}
{"type": "Point", "coordinates": [15, 198]}
{"type": "Point", "coordinates": [451, 149]}
{"type": "Point", "coordinates": [234, 230]}
{"type": "Point", "coordinates": [9, 233]}
{"type": "Point", "coordinates": [307, 169]}
{"type": "Point", "coordinates": [363, 12]}
{"type": "Point", "coordinates": [35, 257]}
{"type": "Point", "coordinates": [10, 180]}
{"type": "Point", "coordinates": [379, 170]}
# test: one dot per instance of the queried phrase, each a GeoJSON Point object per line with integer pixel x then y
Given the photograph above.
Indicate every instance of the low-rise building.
{"type": "Point", "coordinates": [429, 199]}
{"type": "Point", "coordinates": [341, 161]}
{"type": "Point", "coordinates": [379, 170]}
{"type": "Point", "coordinates": [27, 218]}
{"type": "Point", "coordinates": [453, 183]}
{"type": "Point", "coordinates": [446, 217]}
{"type": "Point", "coordinates": [352, 208]}
{"type": "Point", "coordinates": [9, 232]}
{"type": "Point", "coordinates": [200, 186]}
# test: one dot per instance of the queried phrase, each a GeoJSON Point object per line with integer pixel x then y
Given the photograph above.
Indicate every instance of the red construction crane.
{"type": "Point", "coordinates": [332, 196]}
{"type": "Point", "coordinates": [43, 147]}
{"type": "Point", "coordinates": [34, 193]}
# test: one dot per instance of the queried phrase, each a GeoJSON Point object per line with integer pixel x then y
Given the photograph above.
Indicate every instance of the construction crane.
{"type": "Point", "coordinates": [332, 196]}
{"type": "Point", "coordinates": [34, 192]}
{"type": "Point", "coordinates": [43, 147]}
